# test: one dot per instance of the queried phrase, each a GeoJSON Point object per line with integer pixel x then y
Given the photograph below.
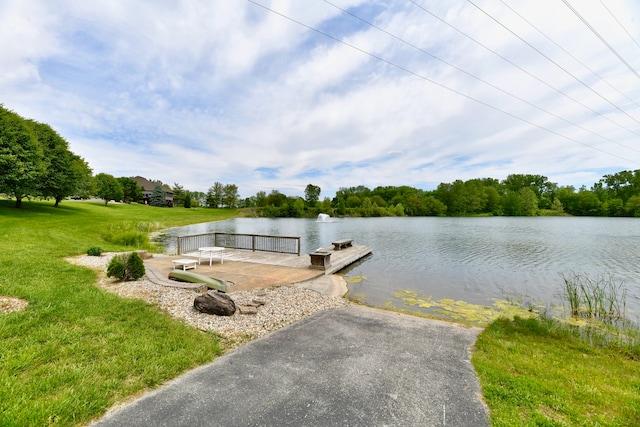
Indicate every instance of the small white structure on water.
{"type": "Point", "coordinates": [324, 218]}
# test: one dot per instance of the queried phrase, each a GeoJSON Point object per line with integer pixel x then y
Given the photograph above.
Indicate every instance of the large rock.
{"type": "Point", "coordinates": [214, 302]}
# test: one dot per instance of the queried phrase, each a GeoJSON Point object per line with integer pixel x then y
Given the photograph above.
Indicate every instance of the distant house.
{"type": "Point", "coordinates": [148, 187]}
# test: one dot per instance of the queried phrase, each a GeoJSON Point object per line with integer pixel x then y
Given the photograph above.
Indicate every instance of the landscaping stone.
{"type": "Point", "coordinates": [214, 302]}
{"type": "Point", "coordinates": [247, 309]}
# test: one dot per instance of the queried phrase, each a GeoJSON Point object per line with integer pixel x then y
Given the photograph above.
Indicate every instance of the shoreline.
{"type": "Point", "coordinates": [284, 304]}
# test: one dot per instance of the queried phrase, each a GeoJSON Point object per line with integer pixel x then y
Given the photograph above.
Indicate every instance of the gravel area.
{"type": "Point", "coordinates": [283, 304]}
{"type": "Point", "coordinates": [9, 304]}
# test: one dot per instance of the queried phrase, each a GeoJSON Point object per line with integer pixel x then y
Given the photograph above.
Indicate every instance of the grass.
{"type": "Point", "coordinates": [541, 372]}
{"type": "Point", "coordinates": [77, 350]}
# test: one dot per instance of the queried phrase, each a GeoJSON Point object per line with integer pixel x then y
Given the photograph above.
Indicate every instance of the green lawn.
{"type": "Point", "coordinates": [77, 349]}
{"type": "Point", "coordinates": [539, 372]}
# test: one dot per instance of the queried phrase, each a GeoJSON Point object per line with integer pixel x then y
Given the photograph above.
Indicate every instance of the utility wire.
{"type": "Point", "coordinates": [570, 54]}
{"type": "Point", "coordinates": [620, 23]}
{"type": "Point", "coordinates": [477, 78]}
{"type": "Point", "coordinates": [524, 70]}
{"type": "Point", "coordinates": [554, 62]}
{"type": "Point", "coordinates": [415, 74]}
{"type": "Point", "coordinates": [602, 39]}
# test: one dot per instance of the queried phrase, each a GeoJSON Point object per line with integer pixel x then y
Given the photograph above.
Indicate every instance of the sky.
{"type": "Point", "coordinates": [275, 95]}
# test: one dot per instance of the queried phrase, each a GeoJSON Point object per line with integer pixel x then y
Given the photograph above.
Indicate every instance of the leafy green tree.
{"type": "Point", "coordinates": [557, 206]}
{"type": "Point", "coordinates": [529, 202]}
{"type": "Point", "coordinates": [353, 201]}
{"type": "Point", "coordinates": [614, 207]}
{"type": "Point", "coordinates": [131, 191]}
{"type": "Point", "coordinates": [108, 188]}
{"type": "Point", "coordinates": [276, 198]}
{"type": "Point", "coordinates": [633, 206]}
{"type": "Point", "coordinates": [537, 183]}
{"type": "Point", "coordinates": [433, 206]}
{"type": "Point", "coordinates": [312, 194]}
{"type": "Point", "coordinates": [215, 194]}
{"type": "Point", "coordinates": [62, 170]}
{"type": "Point", "coordinates": [326, 207]}
{"type": "Point", "coordinates": [20, 157]}
{"type": "Point", "coordinates": [230, 195]}
{"type": "Point", "coordinates": [298, 208]}
{"type": "Point", "coordinates": [261, 199]}
{"type": "Point", "coordinates": [157, 197]}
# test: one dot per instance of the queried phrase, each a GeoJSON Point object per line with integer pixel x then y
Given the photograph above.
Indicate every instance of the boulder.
{"type": "Point", "coordinates": [215, 302]}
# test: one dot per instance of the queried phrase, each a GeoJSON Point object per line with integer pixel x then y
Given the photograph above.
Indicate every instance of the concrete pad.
{"type": "Point", "coordinates": [242, 275]}
{"type": "Point", "coordinates": [331, 285]}
{"type": "Point", "coordinates": [355, 366]}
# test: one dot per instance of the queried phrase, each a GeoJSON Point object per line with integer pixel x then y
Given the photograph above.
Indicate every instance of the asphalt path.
{"type": "Point", "coordinates": [355, 366]}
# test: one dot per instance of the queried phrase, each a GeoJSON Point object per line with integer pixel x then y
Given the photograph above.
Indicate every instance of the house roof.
{"type": "Point", "coordinates": [150, 185]}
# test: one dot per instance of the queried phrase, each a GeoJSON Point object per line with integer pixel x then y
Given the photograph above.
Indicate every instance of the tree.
{"type": "Point", "coordinates": [20, 157]}
{"type": "Point", "coordinates": [178, 194]}
{"type": "Point", "coordinates": [312, 194]}
{"type": "Point", "coordinates": [230, 195]}
{"type": "Point", "coordinates": [108, 188]}
{"type": "Point", "coordinates": [157, 197]}
{"type": "Point", "coordinates": [633, 206]}
{"type": "Point", "coordinates": [186, 200]}
{"type": "Point", "coordinates": [276, 198]}
{"type": "Point", "coordinates": [214, 195]}
{"type": "Point", "coordinates": [62, 171]}
{"type": "Point", "coordinates": [261, 199]}
{"type": "Point", "coordinates": [131, 192]}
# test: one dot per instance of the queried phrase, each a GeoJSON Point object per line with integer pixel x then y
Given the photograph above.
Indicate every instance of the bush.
{"type": "Point", "coordinates": [135, 267]}
{"type": "Point", "coordinates": [117, 267]}
{"type": "Point", "coordinates": [94, 251]}
{"type": "Point", "coordinates": [126, 268]}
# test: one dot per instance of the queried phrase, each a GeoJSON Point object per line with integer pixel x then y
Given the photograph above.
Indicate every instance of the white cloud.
{"type": "Point", "coordinates": [196, 93]}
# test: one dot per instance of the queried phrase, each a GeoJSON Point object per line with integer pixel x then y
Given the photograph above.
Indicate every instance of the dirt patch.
{"type": "Point", "coordinates": [10, 304]}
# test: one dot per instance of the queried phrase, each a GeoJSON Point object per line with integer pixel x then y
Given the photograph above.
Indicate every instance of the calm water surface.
{"type": "Point", "coordinates": [470, 259]}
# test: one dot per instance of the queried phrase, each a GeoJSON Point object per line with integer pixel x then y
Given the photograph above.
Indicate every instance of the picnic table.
{"type": "Point", "coordinates": [211, 250]}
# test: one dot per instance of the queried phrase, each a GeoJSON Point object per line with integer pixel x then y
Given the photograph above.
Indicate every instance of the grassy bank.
{"type": "Point", "coordinates": [76, 350]}
{"type": "Point", "coordinates": [541, 372]}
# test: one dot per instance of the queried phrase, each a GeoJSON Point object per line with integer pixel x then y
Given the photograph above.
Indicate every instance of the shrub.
{"type": "Point", "coordinates": [135, 267]}
{"type": "Point", "coordinates": [94, 251]}
{"type": "Point", "coordinates": [126, 268]}
{"type": "Point", "coordinates": [117, 267]}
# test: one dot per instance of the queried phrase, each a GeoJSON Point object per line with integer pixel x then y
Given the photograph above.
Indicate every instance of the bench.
{"type": "Point", "coordinates": [341, 244]}
{"type": "Point", "coordinates": [185, 263]}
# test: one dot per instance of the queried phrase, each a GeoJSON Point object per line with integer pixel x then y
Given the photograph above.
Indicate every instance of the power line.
{"type": "Point", "coordinates": [415, 74]}
{"type": "Point", "coordinates": [554, 62]}
{"type": "Point", "coordinates": [620, 23]}
{"type": "Point", "coordinates": [570, 54]}
{"type": "Point", "coordinates": [507, 60]}
{"type": "Point", "coordinates": [476, 77]}
{"type": "Point", "coordinates": [602, 39]}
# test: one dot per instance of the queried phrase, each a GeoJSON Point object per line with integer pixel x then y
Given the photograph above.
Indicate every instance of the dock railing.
{"type": "Point", "coordinates": [252, 242]}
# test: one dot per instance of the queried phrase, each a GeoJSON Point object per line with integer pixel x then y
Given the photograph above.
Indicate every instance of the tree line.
{"type": "Point", "coordinates": [615, 195]}
{"type": "Point", "coordinates": [35, 161]}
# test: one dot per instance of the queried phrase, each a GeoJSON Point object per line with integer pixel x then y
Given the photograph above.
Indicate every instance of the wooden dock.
{"type": "Point", "coordinates": [339, 259]}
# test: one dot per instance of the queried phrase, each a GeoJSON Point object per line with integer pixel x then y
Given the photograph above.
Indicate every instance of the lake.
{"type": "Point", "coordinates": [470, 259]}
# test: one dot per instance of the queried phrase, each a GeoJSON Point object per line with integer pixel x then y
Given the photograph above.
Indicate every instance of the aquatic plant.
{"type": "Point", "coordinates": [602, 298]}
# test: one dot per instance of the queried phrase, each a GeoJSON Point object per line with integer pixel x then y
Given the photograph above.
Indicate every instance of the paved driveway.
{"type": "Point", "coordinates": [355, 366]}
